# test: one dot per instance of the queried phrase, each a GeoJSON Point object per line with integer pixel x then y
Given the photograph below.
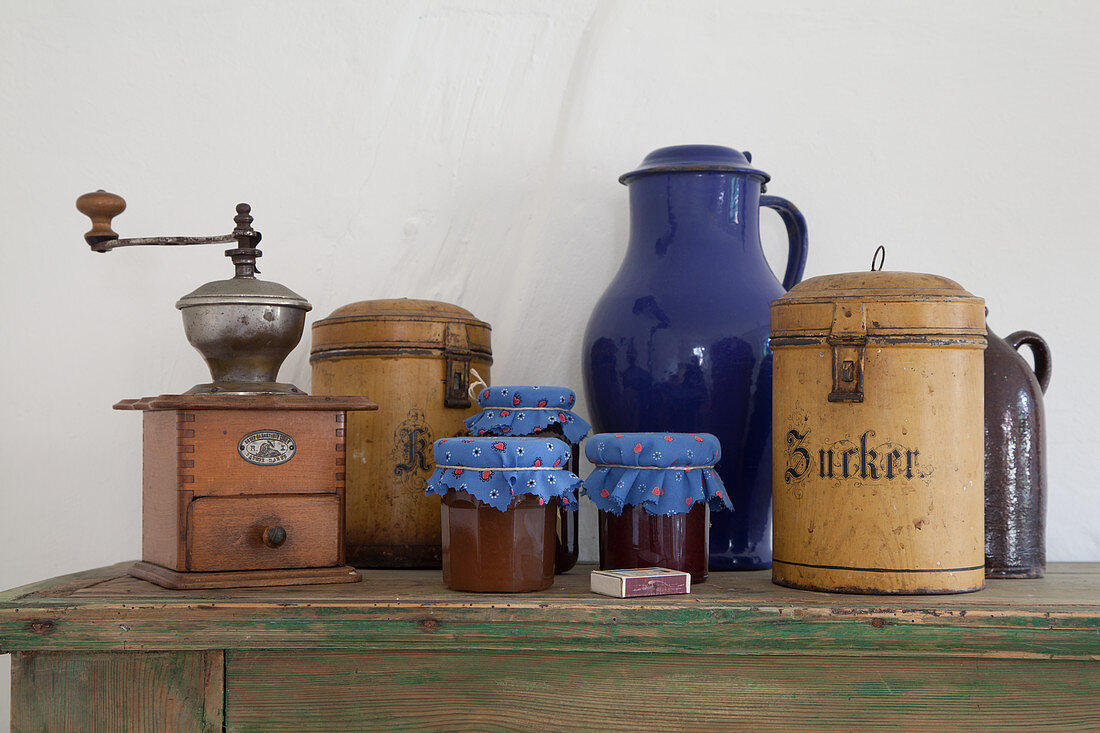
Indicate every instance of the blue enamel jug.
{"type": "Point", "coordinates": [679, 340]}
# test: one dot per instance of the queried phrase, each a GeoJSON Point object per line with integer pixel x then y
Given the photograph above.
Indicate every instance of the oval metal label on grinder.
{"type": "Point", "coordinates": [267, 447]}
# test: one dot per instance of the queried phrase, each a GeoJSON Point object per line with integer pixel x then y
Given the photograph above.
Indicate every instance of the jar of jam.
{"type": "Point", "coordinates": [545, 411]}
{"type": "Point", "coordinates": [500, 500]}
{"type": "Point", "coordinates": [654, 492]}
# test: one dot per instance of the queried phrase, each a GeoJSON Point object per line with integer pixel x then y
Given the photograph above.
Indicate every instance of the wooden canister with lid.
{"type": "Point", "coordinates": [877, 470]}
{"type": "Point", "coordinates": [414, 357]}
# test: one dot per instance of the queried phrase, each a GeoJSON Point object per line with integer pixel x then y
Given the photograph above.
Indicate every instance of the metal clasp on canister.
{"type": "Point", "coordinates": [457, 354]}
{"type": "Point", "coordinates": [848, 337]}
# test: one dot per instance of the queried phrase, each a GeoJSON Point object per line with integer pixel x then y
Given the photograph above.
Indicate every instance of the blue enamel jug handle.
{"type": "Point", "coordinates": [796, 233]}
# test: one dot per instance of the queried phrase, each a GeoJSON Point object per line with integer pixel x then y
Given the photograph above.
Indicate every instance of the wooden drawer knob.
{"type": "Point", "coordinates": [274, 536]}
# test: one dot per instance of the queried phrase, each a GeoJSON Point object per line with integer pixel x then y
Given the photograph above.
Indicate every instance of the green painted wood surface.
{"type": "Point", "coordinates": [340, 690]}
{"type": "Point", "coordinates": [110, 691]}
{"type": "Point", "coordinates": [103, 651]}
{"type": "Point", "coordinates": [733, 613]}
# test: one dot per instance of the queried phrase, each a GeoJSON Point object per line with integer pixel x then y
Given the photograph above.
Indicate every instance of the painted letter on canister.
{"type": "Point", "coordinates": [878, 435]}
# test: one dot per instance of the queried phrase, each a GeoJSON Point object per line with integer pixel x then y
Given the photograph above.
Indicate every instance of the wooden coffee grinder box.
{"type": "Point", "coordinates": [243, 477]}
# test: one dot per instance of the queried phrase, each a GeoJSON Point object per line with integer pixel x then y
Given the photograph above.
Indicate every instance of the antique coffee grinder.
{"type": "Point", "coordinates": [242, 477]}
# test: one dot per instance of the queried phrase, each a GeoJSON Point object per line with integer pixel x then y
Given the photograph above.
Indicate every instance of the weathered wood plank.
{"type": "Point", "coordinates": [735, 613]}
{"type": "Point", "coordinates": [1066, 584]}
{"type": "Point", "coordinates": [176, 691]}
{"type": "Point", "coordinates": [213, 686]}
{"type": "Point", "coordinates": [334, 690]}
{"type": "Point", "coordinates": [694, 630]}
{"type": "Point", "coordinates": [64, 585]}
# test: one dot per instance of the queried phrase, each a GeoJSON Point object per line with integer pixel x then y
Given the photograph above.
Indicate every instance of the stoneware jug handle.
{"type": "Point", "coordinates": [796, 233]}
{"type": "Point", "coordinates": [1039, 350]}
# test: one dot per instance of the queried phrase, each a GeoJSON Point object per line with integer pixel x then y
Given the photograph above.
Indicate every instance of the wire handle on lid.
{"type": "Point", "coordinates": [882, 251]}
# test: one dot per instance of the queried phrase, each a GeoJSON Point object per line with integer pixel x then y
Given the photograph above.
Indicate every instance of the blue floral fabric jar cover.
{"type": "Point", "coordinates": [526, 410]}
{"type": "Point", "coordinates": [667, 473]}
{"type": "Point", "coordinates": [494, 470]}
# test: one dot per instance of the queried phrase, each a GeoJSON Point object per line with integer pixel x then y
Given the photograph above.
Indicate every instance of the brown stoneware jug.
{"type": "Point", "coordinates": [1015, 461]}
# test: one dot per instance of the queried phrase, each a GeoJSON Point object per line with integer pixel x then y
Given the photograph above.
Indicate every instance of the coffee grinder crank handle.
{"type": "Point", "coordinates": [101, 207]}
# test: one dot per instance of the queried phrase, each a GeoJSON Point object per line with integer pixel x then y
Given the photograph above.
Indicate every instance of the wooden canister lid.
{"type": "Point", "coordinates": [886, 304]}
{"type": "Point", "coordinates": [398, 324]}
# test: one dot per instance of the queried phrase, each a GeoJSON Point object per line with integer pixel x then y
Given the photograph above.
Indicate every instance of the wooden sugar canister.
{"type": "Point", "coordinates": [877, 471]}
{"type": "Point", "coordinates": [414, 358]}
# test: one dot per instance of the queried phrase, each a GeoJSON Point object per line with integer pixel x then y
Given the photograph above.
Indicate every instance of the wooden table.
{"type": "Point", "coordinates": [102, 651]}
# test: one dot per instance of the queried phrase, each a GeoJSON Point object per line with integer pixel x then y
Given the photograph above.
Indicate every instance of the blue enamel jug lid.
{"type": "Point", "coordinates": [695, 159]}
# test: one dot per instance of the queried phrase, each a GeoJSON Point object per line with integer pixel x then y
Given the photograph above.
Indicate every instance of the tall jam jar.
{"type": "Point", "coordinates": [528, 410]}
{"type": "Point", "coordinates": [654, 492]}
{"type": "Point", "coordinates": [500, 497]}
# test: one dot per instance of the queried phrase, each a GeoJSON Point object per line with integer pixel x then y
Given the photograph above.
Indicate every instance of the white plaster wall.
{"type": "Point", "coordinates": [468, 152]}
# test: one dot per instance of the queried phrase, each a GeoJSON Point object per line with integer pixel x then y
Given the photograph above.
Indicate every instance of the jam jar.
{"type": "Point", "coordinates": [500, 500]}
{"type": "Point", "coordinates": [486, 550]}
{"type": "Point", "coordinates": [520, 410]}
{"type": "Point", "coordinates": [654, 492]}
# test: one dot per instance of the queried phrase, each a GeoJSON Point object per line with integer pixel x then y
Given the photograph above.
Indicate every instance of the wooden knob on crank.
{"type": "Point", "coordinates": [100, 207]}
